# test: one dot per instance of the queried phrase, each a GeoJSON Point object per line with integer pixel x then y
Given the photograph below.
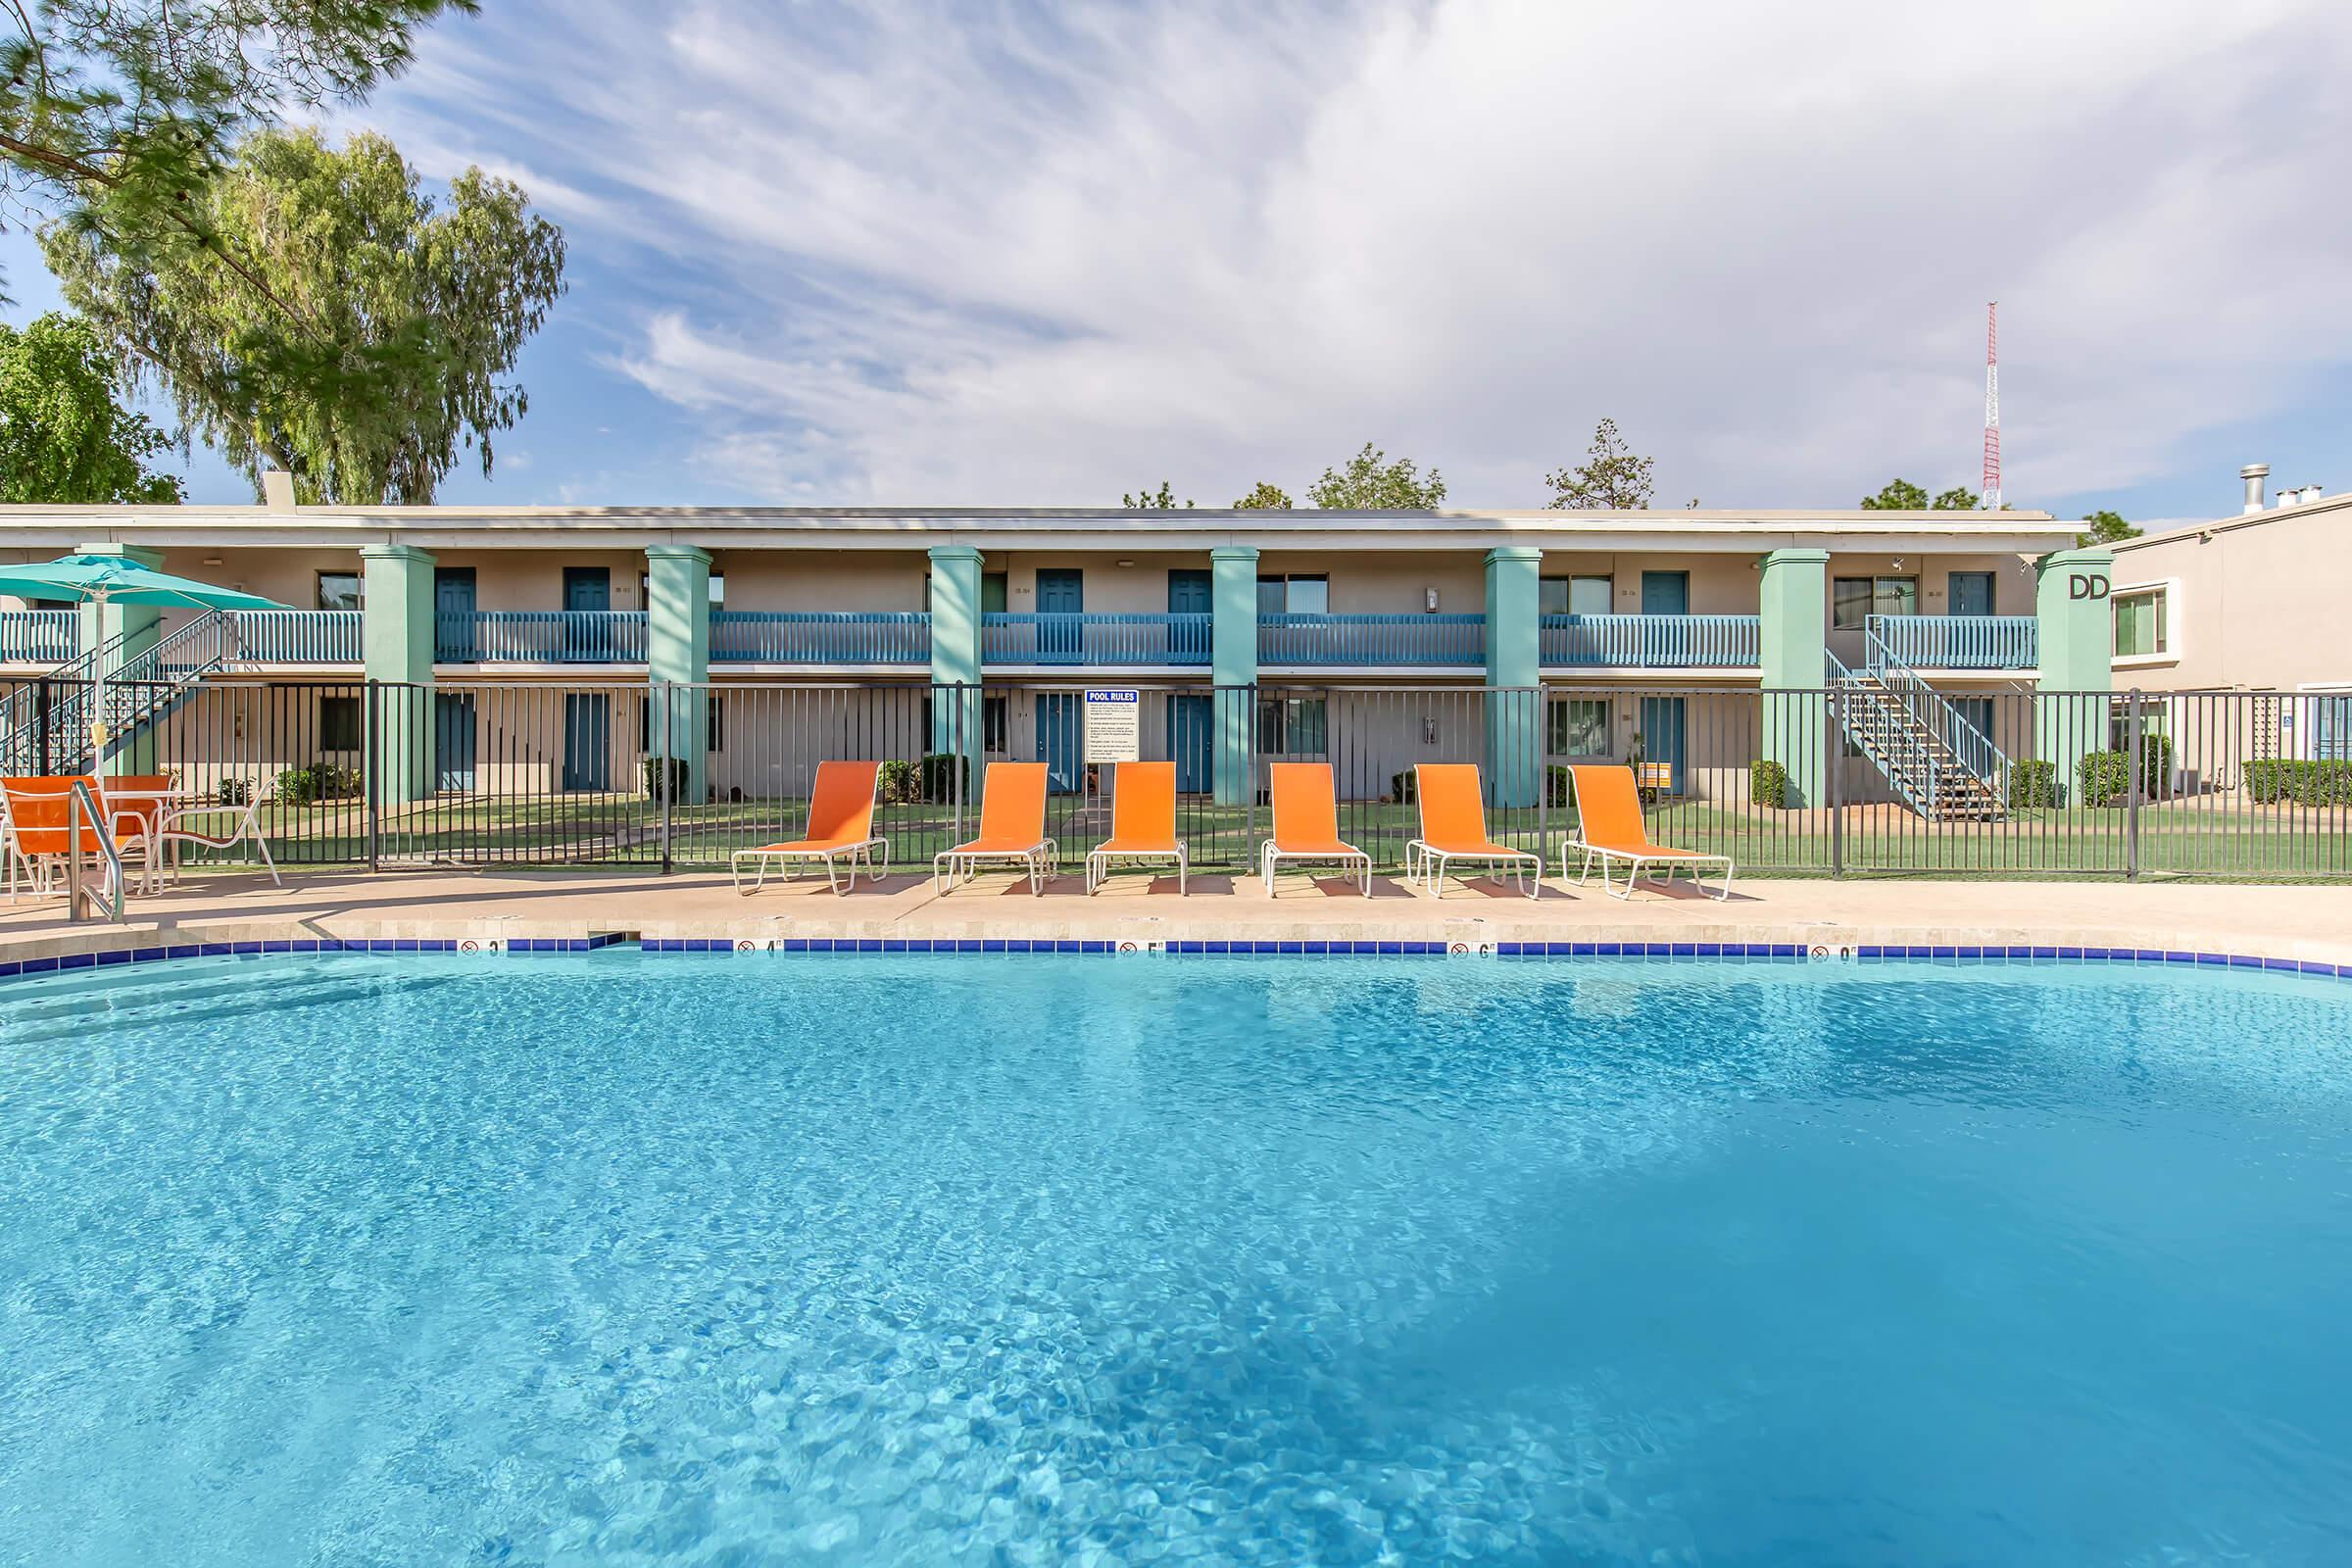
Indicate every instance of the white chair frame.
{"type": "Point", "coordinates": [1691, 859]}
{"type": "Point", "coordinates": [1099, 863]}
{"type": "Point", "coordinates": [1269, 861]}
{"type": "Point", "coordinates": [1042, 860]}
{"type": "Point", "coordinates": [169, 830]}
{"type": "Point", "coordinates": [1425, 862]}
{"type": "Point", "coordinates": [873, 854]}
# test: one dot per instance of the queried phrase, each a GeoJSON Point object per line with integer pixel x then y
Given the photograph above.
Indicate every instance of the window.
{"type": "Point", "coordinates": [338, 723]}
{"type": "Point", "coordinates": [715, 738]}
{"type": "Point", "coordinates": [718, 590]}
{"type": "Point", "coordinates": [2140, 623]}
{"type": "Point", "coordinates": [1578, 726]}
{"type": "Point", "coordinates": [1292, 726]}
{"type": "Point", "coordinates": [339, 590]}
{"type": "Point", "coordinates": [1576, 596]}
{"type": "Point", "coordinates": [1854, 600]}
{"type": "Point", "coordinates": [1974, 712]}
{"type": "Point", "coordinates": [995, 722]}
{"type": "Point", "coordinates": [1299, 594]}
{"type": "Point", "coordinates": [994, 592]}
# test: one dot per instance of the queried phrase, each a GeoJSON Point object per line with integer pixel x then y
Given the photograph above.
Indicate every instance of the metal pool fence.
{"type": "Point", "coordinates": [1856, 778]}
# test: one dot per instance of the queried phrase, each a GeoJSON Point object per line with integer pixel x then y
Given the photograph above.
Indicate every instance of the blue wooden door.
{"type": "Point", "coordinates": [1192, 746]}
{"type": "Point", "coordinates": [453, 740]}
{"type": "Point", "coordinates": [1060, 591]}
{"type": "Point", "coordinates": [454, 639]}
{"type": "Point", "coordinates": [1058, 739]}
{"type": "Point", "coordinates": [587, 588]}
{"type": "Point", "coordinates": [587, 591]}
{"type": "Point", "coordinates": [1665, 645]}
{"type": "Point", "coordinates": [1971, 593]}
{"type": "Point", "coordinates": [587, 741]}
{"type": "Point", "coordinates": [1189, 593]}
{"type": "Point", "coordinates": [1665, 593]}
{"type": "Point", "coordinates": [1662, 724]}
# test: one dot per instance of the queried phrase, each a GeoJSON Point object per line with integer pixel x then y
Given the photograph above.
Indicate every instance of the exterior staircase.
{"type": "Point", "coordinates": [1937, 763]}
{"type": "Point", "coordinates": [45, 724]}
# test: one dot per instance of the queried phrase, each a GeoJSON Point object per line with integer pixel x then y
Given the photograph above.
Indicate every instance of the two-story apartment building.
{"type": "Point", "coordinates": [1236, 623]}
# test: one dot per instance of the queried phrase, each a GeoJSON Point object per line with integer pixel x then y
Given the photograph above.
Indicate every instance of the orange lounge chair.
{"type": "Point", "coordinates": [1608, 810]}
{"type": "Point", "coordinates": [1012, 829]}
{"type": "Point", "coordinates": [1143, 821]}
{"type": "Point", "coordinates": [841, 826]}
{"type": "Point", "coordinates": [1454, 827]}
{"type": "Point", "coordinates": [1306, 823]}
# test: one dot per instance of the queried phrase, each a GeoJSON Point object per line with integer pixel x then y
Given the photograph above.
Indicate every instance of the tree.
{"type": "Point", "coordinates": [1264, 496]}
{"type": "Point", "coordinates": [1610, 480]}
{"type": "Point", "coordinates": [2106, 528]}
{"type": "Point", "coordinates": [1163, 500]}
{"type": "Point", "coordinates": [116, 116]}
{"type": "Point", "coordinates": [1371, 484]}
{"type": "Point", "coordinates": [1902, 495]}
{"type": "Point", "coordinates": [425, 309]}
{"type": "Point", "coordinates": [1959, 498]}
{"type": "Point", "coordinates": [65, 437]}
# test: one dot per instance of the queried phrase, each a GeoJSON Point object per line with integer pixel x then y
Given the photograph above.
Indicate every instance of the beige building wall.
{"type": "Point", "coordinates": [2253, 603]}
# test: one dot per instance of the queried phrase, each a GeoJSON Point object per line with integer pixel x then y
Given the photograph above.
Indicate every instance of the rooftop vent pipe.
{"type": "Point", "coordinates": [2254, 474]}
{"type": "Point", "coordinates": [2311, 492]}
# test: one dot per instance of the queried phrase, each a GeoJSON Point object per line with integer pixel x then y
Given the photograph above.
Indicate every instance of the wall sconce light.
{"type": "Point", "coordinates": [1126, 563]}
{"type": "Point", "coordinates": [1898, 562]}
{"type": "Point", "coordinates": [1430, 596]}
{"type": "Point", "coordinates": [212, 561]}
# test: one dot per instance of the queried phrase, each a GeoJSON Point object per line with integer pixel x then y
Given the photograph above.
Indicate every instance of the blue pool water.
{"type": "Point", "coordinates": [649, 1259]}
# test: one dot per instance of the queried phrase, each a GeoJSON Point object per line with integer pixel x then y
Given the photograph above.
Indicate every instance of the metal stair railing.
{"type": "Point", "coordinates": [1875, 720]}
{"type": "Point", "coordinates": [1967, 746]}
{"type": "Point", "coordinates": [48, 706]}
{"type": "Point", "coordinates": [38, 738]}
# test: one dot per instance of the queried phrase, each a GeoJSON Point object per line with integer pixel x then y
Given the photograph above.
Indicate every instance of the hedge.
{"type": "Point", "coordinates": [2033, 785]}
{"type": "Point", "coordinates": [321, 781]}
{"type": "Point", "coordinates": [2305, 781]}
{"type": "Point", "coordinates": [1556, 786]}
{"type": "Point", "coordinates": [1767, 784]}
{"type": "Point", "coordinates": [2106, 775]}
{"type": "Point", "coordinates": [654, 769]}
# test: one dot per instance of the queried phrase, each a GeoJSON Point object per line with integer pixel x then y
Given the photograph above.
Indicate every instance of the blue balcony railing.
{"type": "Point", "coordinates": [1653, 642]}
{"type": "Point", "coordinates": [539, 637]}
{"type": "Point", "coordinates": [819, 637]}
{"type": "Point", "coordinates": [1445, 640]}
{"type": "Point", "coordinates": [295, 636]}
{"type": "Point", "coordinates": [1960, 642]}
{"type": "Point", "coordinates": [39, 636]}
{"type": "Point", "coordinates": [1096, 640]}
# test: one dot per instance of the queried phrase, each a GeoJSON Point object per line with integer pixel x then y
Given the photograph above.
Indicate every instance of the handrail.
{"type": "Point", "coordinates": [78, 896]}
{"type": "Point", "coordinates": [1306, 638]}
{"type": "Point", "coordinates": [1958, 642]}
{"type": "Point", "coordinates": [820, 636]}
{"type": "Point", "coordinates": [48, 636]}
{"type": "Point", "coordinates": [1076, 637]}
{"type": "Point", "coordinates": [299, 636]}
{"type": "Point", "coordinates": [1969, 745]}
{"type": "Point", "coordinates": [1652, 641]}
{"type": "Point", "coordinates": [539, 637]}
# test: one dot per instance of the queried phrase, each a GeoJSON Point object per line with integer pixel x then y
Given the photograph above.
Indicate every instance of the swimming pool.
{"type": "Point", "coordinates": [635, 1258]}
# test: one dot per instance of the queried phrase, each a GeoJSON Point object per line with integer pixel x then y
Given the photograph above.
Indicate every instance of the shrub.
{"type": "Point", "coordinates": [666, 777]}
{"type": "Point", "coordinates": [2156, 766]}
{"type": "Point", "coordinates": [2104, 776]}
{"type": "Point", "coordinates": [1401, 787]}
{"type": "Point", "coordinates": [1558, 785]}
{"type": "Point", "coordinates": [304, 786]}
{"type": "Point", "coordinates": [899, 783]}
{"type": "Point", "coordinates": [2306, 783]}
{"type": "Point", "coordinates": [234, 790]}
{"type": "Point", "coordinates": [942, 772]}
{"type": "Point", "coordinates": [2033, 785]}
{"type": "Point", "coordinates": [1767, 784]}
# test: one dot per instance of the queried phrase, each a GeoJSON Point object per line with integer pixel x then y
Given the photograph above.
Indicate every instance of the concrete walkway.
{"type": "Point", "coordinates": [2310, 923]}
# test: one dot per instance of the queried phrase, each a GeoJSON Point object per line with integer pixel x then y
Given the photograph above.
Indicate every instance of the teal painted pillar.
{"type": "Point", "coordinates": [955, 707]}
{"type": "Point", "coordinates": [1514, 659]}
{"type": "Point", "coordinates": [1233, 665]}
{"type": "Point", "coordinates": [2075, 626]}
{"type": "Point", "coordinates": [1794, 606]}
{"type": "Point", "coordinates": [396, 646]}
{"type": "Point", "coordinates": [677, 660]}
{"type": "Point", "coordinates": [136, 625]}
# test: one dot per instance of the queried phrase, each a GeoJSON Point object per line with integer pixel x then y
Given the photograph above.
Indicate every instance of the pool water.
{"type": "Point", "coordinates": [639, 1259]}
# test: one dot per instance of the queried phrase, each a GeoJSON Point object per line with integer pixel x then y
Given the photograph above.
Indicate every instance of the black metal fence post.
{"type": "Point", "coordinates": [373, 728]}
{"type": "Point", "coordinates": [1833, 767]}
{"type": "Point", "coordinates": [2134, 789]}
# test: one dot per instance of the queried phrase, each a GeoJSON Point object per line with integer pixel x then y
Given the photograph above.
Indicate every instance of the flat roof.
{"type": "Point", "coordinates": [1024, 527]}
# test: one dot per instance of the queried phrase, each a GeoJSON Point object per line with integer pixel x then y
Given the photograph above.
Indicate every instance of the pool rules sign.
{"type": "Point", "coordinates": [1115, 729]}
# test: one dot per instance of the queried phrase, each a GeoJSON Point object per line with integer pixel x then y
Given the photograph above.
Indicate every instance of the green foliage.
{"type": "Point", "coordinates": [1264, 496]}
{"type": "Point", "coordinates": [1959, 498]}
{"type": "Point", "coordinates": [942, 772]}
{"type": "Point", "coordinates": [305, 786]}
{"type": "Point", "coordinates": [2104, 776]}
{"type": "Point", "coordinates": [1370, 483]}
{"type": "Point", "coordinates": [116, 116]}
{"type": "Point", "coordinates": [65, 437]}
{"type": "Point", "coordinates": [1164, 500]}
{"type": "Point", "coordinates": [2325, 781]}
{"type": "Point", "coordinates": [2106, 528]}
{"type": "Point", "coordinates": [414, 315]}
{"type": "Point", "coordinates": [1403, 787]}
{"type": "Point", "coordinates": [2033, 785]}
{"type": "Point", "coordinates": [234, 790]}
{"type": "Point", "coordinates": [1899, 495]}
{"type": "Point", "coordinates": [1611, 478]}
{"type": "Point", "coordinates": [1767, 784]}
{"type": "Point", "coordinates": [1558, 785]}
{"type": "Point", "coordinates": [898, 783]}
{"type": "Point", "coordinates": [666, 777]}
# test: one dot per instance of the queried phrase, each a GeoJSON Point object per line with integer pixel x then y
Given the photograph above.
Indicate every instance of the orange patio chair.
{"type": "Point", "coordinates": [1608, 810]}
{"type": "Point", "coordinates": [1143, 821]}
{"type": "Point", "coordinates": [1012, 829]}
{"type": "Point", "coordinates": [136, 809]}
{"type": "Point", "coordinates": [37, 828]}
{"type": "Point", "coordinates": [1454, 827]}
{"type": "Point", "coordinates": [841, 827]}
{"type": "Point", "coordinates": [1306, 823]}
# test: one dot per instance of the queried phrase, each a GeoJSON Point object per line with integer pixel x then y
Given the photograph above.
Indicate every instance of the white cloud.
{"type": "Point", "coordinates": [921, 252]}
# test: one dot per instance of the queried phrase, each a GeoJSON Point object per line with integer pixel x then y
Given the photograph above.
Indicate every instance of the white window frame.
{"type": "Point", "coordinates": [2174, 621]}
{"type": "Point", "coordinates": [2306, 733]}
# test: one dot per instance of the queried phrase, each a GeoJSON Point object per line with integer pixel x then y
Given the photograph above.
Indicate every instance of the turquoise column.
{"type": "Point", "coordinates": [1515, 660]}
{"type": "Point", "coordinates": [1233, 665]}
{"type": "Point", "coordinates": [956, 708]}
{"type": "Point", "coordinates": [678, 659]}
{"type": "Point", "coordinates": [2075, 626]}
{"type": "Point", "coordinates": [136, 625]}
{"type": "Point", "coordinates": [396, 646]}
{"type": "Point", "coordinates": [1794, 604]}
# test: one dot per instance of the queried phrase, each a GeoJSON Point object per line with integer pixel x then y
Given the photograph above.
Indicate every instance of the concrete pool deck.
{"type": "Point", "coordinates": [2306, 923]}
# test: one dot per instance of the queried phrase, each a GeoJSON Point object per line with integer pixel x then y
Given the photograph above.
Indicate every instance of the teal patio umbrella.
{"type": "Point", "coordinates": [119, 580]}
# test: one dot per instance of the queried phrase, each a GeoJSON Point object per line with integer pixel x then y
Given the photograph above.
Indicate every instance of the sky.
{"type": "Point", "coordinates": [896, 253]}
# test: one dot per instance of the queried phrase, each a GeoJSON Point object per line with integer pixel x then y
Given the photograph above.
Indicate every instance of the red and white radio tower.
{"type": "Point", "coordinates": [1993, 408]}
